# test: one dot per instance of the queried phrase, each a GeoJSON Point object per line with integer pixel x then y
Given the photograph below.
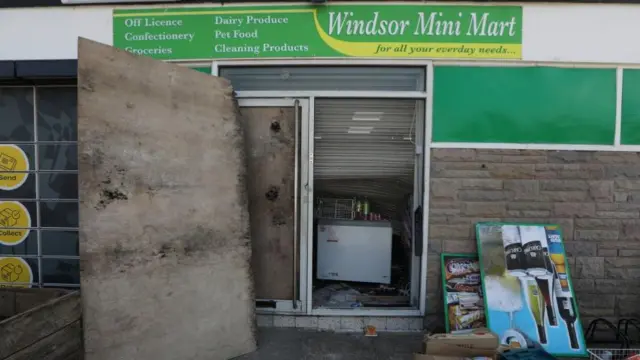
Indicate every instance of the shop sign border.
{"type": "Point", "coordinates": [391, 31]}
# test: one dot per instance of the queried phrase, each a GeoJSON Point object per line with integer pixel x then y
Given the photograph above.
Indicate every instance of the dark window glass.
{"type": "Point", "coordinates": [325, 78]}
{"type": "Point", "coordinates": [9, 217]}
{"type": "Point", "coordinates": [58, 157]}
{"type": "Point", "coordinates": [64, 243]}
{"type": "Point", "coordinates": [61, 271]}
{"type": "Point", "coordinates": [13, 270]}
{"type": "Point", "coordinates": [58, 186]}
{"type": "Point", "coordinates": [59, 214]}
{"type": "Point", "coordinates": [16, 114]}
{"type": "Point", "coordinates": [57, 114]}
{"type": "Point", "coordinates": [28, 247]}
{"type": "Point", "coordinates": [26, 191]}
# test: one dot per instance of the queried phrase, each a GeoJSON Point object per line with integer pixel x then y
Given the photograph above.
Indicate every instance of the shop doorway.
{"type": "Point", "coordinates": [367, 176]}
{"type": "Point", "coordinates": [361, 153]}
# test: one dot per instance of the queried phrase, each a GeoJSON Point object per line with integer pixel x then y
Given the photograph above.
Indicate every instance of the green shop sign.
{"type": "Point", "coordinates": [378, 31]}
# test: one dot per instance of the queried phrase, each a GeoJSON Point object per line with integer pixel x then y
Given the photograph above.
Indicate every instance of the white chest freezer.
{"type": "Point", "coordinates": [354, 250]}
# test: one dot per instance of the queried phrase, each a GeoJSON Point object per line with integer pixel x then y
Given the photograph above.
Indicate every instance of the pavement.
{"type": "Point", "coordinates": [297, 344]}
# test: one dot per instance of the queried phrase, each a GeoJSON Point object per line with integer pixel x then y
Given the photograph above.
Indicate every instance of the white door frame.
{"type": "Point", "coordinates": [344, 312]}
{"type": "Point", "coordinates": [427, 95]}
{"type": "Point", "coordinates": [301, 305]}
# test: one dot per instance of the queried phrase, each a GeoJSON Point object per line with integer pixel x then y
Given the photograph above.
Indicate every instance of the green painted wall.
{"type": "Point", "coordinates": [541, 105]}
{"type": "Point", "coordinates": [630, 130]}
{"type": "Point", "coordinates": [204, 69]}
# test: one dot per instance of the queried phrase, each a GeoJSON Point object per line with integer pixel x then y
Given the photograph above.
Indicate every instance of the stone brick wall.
{"type": "Point", "coordinates": [594, 196]}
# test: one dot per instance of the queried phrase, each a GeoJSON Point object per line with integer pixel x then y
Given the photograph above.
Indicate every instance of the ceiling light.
{"type": "Point", "coordinates": [360, 130]}
{"type": "Point", "coordinates": [367, 116]}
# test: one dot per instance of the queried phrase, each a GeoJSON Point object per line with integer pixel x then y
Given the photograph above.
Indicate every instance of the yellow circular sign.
{"type": "Point", "coordinates": [12, 161]}
{"type": "Point", "coordinates": [15, 222]}
{"type": "Point", "coordinates": [15, 272]}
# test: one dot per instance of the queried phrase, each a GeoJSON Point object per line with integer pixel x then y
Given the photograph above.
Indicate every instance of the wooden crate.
{"type": "Point", "coordinates": [51, 329]}
{"type": "Point", "coordinates": [14, 301]}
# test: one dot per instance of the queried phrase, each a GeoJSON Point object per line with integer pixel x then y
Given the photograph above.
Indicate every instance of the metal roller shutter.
{"type": "Point", "coordinates": [364, 138]}
{"type": "Point", "coordinates": [366, 147]}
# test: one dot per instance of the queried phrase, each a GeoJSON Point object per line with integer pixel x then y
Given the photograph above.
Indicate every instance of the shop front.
{"type": "Point", "coordinates": [336, 102]}
{"type": "Point", "coordinates": [377, 135]}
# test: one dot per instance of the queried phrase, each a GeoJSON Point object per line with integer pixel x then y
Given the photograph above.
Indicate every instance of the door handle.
{"type": "Point", "coordinates": [417, 232]}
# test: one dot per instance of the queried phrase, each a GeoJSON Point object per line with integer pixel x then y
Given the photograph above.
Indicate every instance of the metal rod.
{"type": "Point", "coordinates": [36, 168]}
{"type": "Point", "coordinates": [296, 109]}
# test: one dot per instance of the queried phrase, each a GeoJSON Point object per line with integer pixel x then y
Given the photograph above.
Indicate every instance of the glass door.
{"type": "Point", "coordinates": [366, 162]}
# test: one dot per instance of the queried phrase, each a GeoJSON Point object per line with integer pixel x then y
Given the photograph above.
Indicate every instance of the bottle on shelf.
{"type": "Point", "coordinates": [567, 310]}
{"type": "Point", "coordinates": [536, 304]}
{"type": "Point", "coordinates": [531, 238]}
{"type": "Point", "coordinates": [545, 283]}
{"type": "Point", "coordinates": [366, 208]}
{"type": "Point", "coordinates": [513, 254]}
{"type": "Point", "coordinates": [556, 254]}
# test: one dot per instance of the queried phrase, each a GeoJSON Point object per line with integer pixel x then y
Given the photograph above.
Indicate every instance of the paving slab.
{"type": "Point", "coordinates": [297, 344]}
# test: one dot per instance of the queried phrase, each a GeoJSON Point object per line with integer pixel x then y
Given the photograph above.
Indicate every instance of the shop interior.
{"type": "Point", "coordinates": [364, 184]}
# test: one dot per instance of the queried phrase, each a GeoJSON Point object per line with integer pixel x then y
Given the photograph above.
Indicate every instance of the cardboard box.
{"type": "Point", "coordinates": [480, 342]}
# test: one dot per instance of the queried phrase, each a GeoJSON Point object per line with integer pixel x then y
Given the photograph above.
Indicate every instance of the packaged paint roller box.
{"type": "Point", "coordinates": [480, 344]}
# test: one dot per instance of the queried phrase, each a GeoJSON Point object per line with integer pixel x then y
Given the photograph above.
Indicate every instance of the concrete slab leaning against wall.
{"type": "Point", "coordinates": [165, 247]}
